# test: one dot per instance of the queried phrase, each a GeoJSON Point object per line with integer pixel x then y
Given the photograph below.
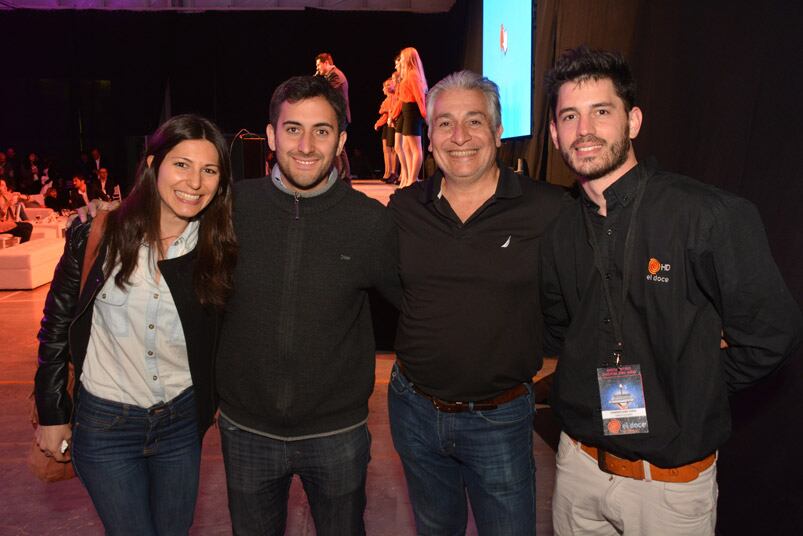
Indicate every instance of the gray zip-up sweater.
{"type": "Point", "coordinates": [296, 353]}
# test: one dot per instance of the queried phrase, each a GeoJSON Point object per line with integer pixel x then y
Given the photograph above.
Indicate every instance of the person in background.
{"type": "Point", "coordinates": [387, 132]}
{"type": "Point", "coordinates": [142, 334]}
{"type": "Point", "coordinates": [30, 177]}
{"type": "Point", "coordinates": [395, 125]}
{"type": "Point", "coordinates": [12, 168]}
{"type": "Point", "coordinates": [412, 109]}
{"type": "Point", "coordinates": [79, 194]}
{"type": "Point", "coordinates": [52, 199]}
{"type": "Point", "coordinates": [103, 188]}
{"type": "Point", "coordinates": [325, 67]}
{"type": "Point", "coordinates": [9, 207]}
{"type": "Point", "coordinates": [96, 162]}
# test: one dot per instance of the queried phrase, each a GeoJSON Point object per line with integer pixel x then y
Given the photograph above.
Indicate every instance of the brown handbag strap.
{"type": "Point", "coordinates": [92, 244]}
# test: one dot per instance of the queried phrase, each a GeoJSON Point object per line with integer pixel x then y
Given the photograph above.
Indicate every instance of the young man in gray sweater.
{"type": "Point", "coordinates": [296, 361]}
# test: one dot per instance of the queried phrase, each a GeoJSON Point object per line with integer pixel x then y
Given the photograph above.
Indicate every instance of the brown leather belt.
{"type": "Point", "coordinates": [615, 465]}
{"type": "Point", "coordinates": [480, 405]}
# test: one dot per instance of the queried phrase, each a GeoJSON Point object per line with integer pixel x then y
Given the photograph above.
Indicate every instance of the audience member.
{"type": "Point", "coordinates": [12, 168]}
{"type": "Point", "coordinates": [103, 188]}
{"type": "Point", "coordinates": [10, 207]}
{"type": "Point", "coordinates": [31, 173]}
{"type": "Point", "coordinates": [52, 199]}
{"type": "Point", "coordinates": [79, 195]}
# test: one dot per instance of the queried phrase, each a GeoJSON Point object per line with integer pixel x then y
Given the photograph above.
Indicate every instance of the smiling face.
{"type": "Point", "coordinates": [187, 181]}
{"type": "Point", "coordinates": [306, 142]}
{"type": "Point", "coordinates": [462, 137]}
{"type": "Point", "coordinates": [592, 130]}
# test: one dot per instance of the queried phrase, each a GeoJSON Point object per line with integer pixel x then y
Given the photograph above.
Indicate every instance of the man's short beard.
{"type": "Point", "coordinates": [619, 152]}
{"type": "Point", "coordinates": [289, 178]}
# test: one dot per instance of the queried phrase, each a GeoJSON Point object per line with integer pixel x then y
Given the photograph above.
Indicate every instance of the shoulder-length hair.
{"type": "Point", "coordinates": [137, 221]}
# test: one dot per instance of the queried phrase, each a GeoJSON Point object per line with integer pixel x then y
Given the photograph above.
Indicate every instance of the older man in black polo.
{"type": "Point", "coordinates": [469, 338]}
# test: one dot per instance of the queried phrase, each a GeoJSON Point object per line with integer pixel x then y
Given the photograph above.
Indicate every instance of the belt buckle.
{"type": "Point", "coordinates": [448, 407]}
{"type": "Point", "coordinates": [626, 469]}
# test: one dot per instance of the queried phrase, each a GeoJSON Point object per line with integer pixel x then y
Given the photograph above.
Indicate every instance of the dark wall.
{"type": "Point", "coordinates": [84, 78]}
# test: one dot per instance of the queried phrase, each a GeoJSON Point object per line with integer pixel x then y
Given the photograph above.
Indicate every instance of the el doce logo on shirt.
{"type": "Point", "coordinates": [655, 269]}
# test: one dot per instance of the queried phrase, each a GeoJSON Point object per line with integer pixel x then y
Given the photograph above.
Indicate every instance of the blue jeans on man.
{"type": "Point", "coordinates": [487, 454]}
{"type": "Point", "coordinates": [259, 470]}
{"type": "Point", "coordinates": [140, 466]}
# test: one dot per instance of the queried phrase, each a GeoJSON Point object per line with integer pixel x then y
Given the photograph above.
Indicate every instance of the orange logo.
{"type": "Point", "coordinates": [614, 426]}
{"type": "Point", "coordinates": [654, 266]}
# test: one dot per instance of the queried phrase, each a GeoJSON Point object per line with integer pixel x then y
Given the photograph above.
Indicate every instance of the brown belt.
{"type": "Point", "coordinates": [615, 465]}
{"type": "Point", "coordinates": [480, 405]}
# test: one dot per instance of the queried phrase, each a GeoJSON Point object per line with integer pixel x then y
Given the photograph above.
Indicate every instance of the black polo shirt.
{"type": "Point", "coordinates": [470, 324]}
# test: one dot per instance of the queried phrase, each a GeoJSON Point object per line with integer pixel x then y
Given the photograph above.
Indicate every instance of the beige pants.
{"type": "Point", "coordinates": [589, 501]}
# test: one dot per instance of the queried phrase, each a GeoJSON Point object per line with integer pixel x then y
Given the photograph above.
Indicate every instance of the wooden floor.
{"type": "Point", "coordinates": [30, 507]}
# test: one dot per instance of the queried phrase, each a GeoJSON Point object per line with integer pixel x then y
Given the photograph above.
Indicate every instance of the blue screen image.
{"type": "Point", "coordinates": [507, 60]}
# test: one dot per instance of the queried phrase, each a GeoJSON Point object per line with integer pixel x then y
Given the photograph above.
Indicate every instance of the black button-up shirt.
{"type": "Point", "coordinates": [470, 324]}
{"type": "Point", "coordinates": [700, 264]}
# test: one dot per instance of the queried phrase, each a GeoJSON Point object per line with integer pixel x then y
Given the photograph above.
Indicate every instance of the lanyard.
{"type": "Point", "coordinates": [629, 240]}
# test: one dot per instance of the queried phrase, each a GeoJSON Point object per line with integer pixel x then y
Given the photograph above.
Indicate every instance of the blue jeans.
{"type": "Point", "coordinates": [140, 466]}
{"type": "Point", "coordinates": [488, 454]}
{"type": "Point", "coordinates": [259, 470]}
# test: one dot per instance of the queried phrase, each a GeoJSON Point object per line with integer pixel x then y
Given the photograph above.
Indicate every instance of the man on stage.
{"type": "Point", "coordinates": [325, 67]}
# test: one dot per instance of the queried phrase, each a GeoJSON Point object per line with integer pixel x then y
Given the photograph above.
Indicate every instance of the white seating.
{"type": "Point", "coordinates": [31, 264]}
{"type": "Point", "coordinates": [41, 212]}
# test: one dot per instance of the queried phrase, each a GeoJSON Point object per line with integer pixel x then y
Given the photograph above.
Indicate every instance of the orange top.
{"type": "Point", "coordinates": [384, 109]}
{"type": "Point", "coordinates": [409, 90]}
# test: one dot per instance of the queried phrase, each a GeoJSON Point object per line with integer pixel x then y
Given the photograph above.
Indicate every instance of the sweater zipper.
{"type": "Point", "coordinates": [296, 197]}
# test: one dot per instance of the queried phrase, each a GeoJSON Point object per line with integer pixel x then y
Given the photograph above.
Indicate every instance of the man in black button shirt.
{"type": "Point", "coordinates": [470, 332]}
{"type": "Point", "coordinates": [660, 296]}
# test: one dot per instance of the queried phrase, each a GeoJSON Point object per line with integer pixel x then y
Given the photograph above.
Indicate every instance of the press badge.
{"type": "Point", "coordinates": [621, 396]}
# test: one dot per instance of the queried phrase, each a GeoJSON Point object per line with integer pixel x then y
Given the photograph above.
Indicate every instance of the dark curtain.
{"type": "Point", "coordinates": [721, 88]}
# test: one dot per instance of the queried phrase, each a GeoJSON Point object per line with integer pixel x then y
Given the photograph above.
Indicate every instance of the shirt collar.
{"type": "Point", "coordinates": [276, 178]}
{"type": "Point", "coordinates": [620, 193]}
{"type": "Point", "coordinates": [186, 242]}
{"type": "Point", "coordinates": [507, 187]}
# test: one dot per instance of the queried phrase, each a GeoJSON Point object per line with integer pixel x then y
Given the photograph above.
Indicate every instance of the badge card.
{"type": "Point", "coordinates": [621, 395]}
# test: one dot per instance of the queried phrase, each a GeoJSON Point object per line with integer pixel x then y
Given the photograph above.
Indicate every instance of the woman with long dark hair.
{"type": "Point", "coordinates": [141, 334]}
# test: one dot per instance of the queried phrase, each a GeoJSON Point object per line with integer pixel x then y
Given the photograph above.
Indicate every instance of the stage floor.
{"type": "Point", "coordinates": [30, 507]}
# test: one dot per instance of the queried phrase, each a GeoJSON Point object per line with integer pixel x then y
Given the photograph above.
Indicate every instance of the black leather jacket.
{"type": "Point", "coordinates": [67, 323]}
